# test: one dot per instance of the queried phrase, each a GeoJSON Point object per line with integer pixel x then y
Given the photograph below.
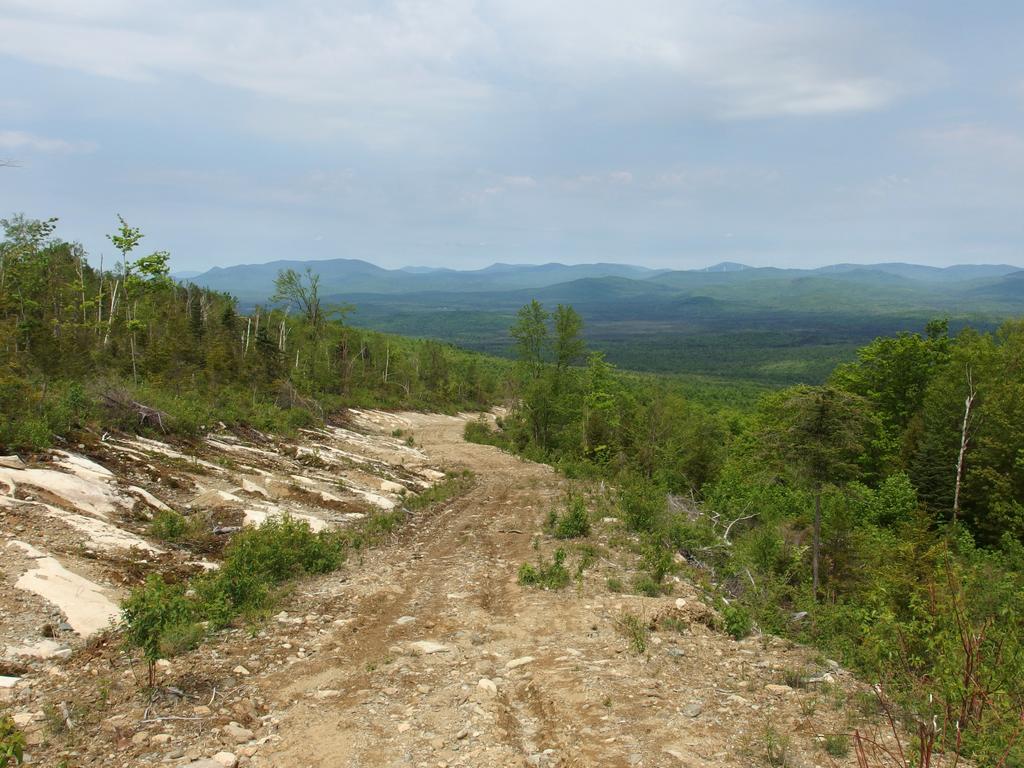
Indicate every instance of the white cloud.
{"type": "Point", "coordinates": [418, 59]}
{"type": "Point", "coordinates": [29, 142]}
{"type": "Point", "coordinates": [980, 143]}
{"type": "Point", "coordinates": [734, 58]}
{"type": "Point", "coordinates": [519, 182]}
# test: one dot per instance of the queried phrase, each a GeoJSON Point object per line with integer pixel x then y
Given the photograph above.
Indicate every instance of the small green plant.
{"type": "Point", "coordinates": [673, 624]}
{"type": "Point", "coordinates": [103, 686]}
{"type": "Point", "coordinates": [794, 678]}
{"type": "Point", "coordinates": [553, 575]}
{"type": "Point", "coordinates": [648, 587]}
{"type": "Point", "coordinates": [551, 522]}
{"type": "Point", "coordinates": [167, 525]}
{"type": "Point", "coordinates": [738, 622]}
{"type": "Point", "coordinates": [614, 584]}
{"type": "Point", "coordinates": [153, 612]}
{"type": "Point", "coordinates": [61, 718]}
{"type": "Point", "coordinates": [636, 631]}
{"type": "Point", "coordinates": [867, 704]}
{"type": "Point", "coordinates": [642, 505]}
{"type": "Point", "coordinates": [12, 743]}
{"type": "Point", "coordinates": [587, 557]}
{"type": "Point", "coordinates": [776, 748]}
{"type": "Point", "coordinates": [180, 638]}
{"type": "Point", "coordinates": [453, 485]}
{"type": "Point", "coordinates": [837, 744]}
{"type": "Point", "coordinates": [658, 559]}
{"type": "Point", "coordinates": [808, 706]}
{"type": "Point", "coordinates": [56, 723]}
{"type": "Point", "coordinates": [573, 522]}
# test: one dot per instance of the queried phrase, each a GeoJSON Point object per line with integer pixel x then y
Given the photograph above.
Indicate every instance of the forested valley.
{"type": "Point", "coordinates": [878, 517]}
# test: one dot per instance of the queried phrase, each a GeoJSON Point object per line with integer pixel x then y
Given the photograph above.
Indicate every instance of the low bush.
{"type": "Point", "coordinates": [635, 630]}
{"type": "Point", "coordinates": [738, 622]}
{"type": "Point", "coordinates": [153, 612]}
{"type": "Point", "coordinates": [645, 585]}
{"type": "Point", "coordinates": [162, 620]}
{"type": "Point", "coordinates": [573, 522]}
{"type": "Point", "coordinates": [553, 575]}
{"type": "Point", "coordinates": [12, 743]}
{"type": "Point", "coordinates": [479, 431]}
{"type": "Point", "coordinates": [167, 525]}
{"type": "Point", "coordinates": [642, 505]}
{"type": "Point", "coordinates": [837, 745]}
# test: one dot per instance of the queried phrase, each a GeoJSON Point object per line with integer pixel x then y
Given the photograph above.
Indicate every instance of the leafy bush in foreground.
{"type": "Point", "coordinates": [161, 619]}
{"type": "Point", "coordinates": [152, 612]}
{"type": "Point", "coordinates": [12, 743]}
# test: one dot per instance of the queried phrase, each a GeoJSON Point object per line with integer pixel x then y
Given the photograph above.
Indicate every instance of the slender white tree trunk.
{"type": "Point", "coordinates": [110, 316]}
{"type": "Point", "coordinates": [964, 439]}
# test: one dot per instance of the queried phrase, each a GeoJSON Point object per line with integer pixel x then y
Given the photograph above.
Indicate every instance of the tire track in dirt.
{"type": "Point", "coordinates": [517, 677]}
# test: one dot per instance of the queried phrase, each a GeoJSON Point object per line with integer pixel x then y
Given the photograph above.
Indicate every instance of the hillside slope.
{"type": "Point", "coordinates": [427, 652]}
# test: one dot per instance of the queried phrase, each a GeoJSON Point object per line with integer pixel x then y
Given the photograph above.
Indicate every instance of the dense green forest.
{"type": "Point", "coordinates": [129, 347]}
{"type": "Point", "coordinates": [764, 326]}
{"type": "Point", "coordinates": [877, 514]}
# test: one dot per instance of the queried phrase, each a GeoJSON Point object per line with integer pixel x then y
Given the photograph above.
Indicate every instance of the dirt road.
{"type": "Point", "coordinates": [422, 651]}
{"type": "Point", "coordinates": [438, 657]}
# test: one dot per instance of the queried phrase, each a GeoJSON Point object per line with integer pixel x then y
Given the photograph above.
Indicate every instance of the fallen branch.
{"type": "Point", "coordinates": [146, 415]}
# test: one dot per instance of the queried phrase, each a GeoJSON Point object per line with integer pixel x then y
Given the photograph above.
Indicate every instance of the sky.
{"type": "Point", "coordinates": [668, 133]}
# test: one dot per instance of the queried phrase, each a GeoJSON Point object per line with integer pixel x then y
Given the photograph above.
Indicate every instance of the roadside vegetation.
{"type": "Point", "coordinates": [879, 516]}
{"type": "Point", "coordinates": [162, 619]}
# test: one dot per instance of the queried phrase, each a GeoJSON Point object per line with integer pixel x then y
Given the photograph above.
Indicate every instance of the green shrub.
{"type": "Point", "coordinates": [645, 585]}
{"type": "Point", "coordinates": [643, 505]}
{"type": "Point", "coordinates": [12, 743]}
{"type": "Point", "coordinates": [479, 431]}
{"type": "Point", "coordinates": [776, 748]}
{"type": "Point", "coordinates": [574, 522]}
{"type": "Point", "coordinates": [658, 559]}
{"type": "Point", "coordinates": [738, 622]}
{"type": "Point", "coordinates": [255, 562]}
{"type": "Point", "coordinates": [636, 631]}
{"type": "Point", "coordinates": [553, 575]}
{"type": "Point", "coordinates": [837, 744]}
{"type": "Point", "coordinates": [167, 525]}
{"type": "Point", "coordinates": [587, 557]}
{"type": "Point", "coordinates": [152, 612]}
{"type": "Point", "coordinates": [529, 575]}
{"type": "Point", "coordinates": [180, 638]}
{"type": "Point", "coordinates": [280, 549]}
{"type": "Point", "coordinates": [258, 559]}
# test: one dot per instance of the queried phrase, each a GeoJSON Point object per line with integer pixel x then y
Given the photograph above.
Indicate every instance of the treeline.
{"type": "Point", "coordinates": [126, 346]}
{"type": "Point", "coordinates": [879, 516]}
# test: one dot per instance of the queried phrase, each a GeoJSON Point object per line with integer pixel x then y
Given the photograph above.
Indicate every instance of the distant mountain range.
{"type": "Point", "coordinates": [765, 325]}
{"type": "Point", "coordinates": [255, 282]}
